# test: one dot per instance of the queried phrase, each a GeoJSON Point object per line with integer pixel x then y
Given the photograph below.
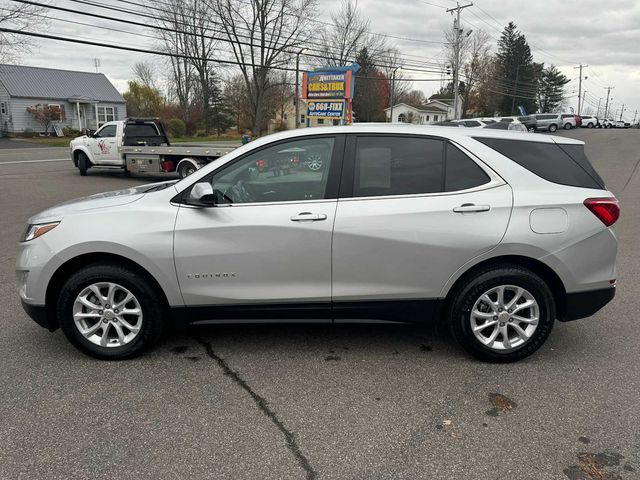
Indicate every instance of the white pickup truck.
{"type": "Point", "coordinates": [140, 145]}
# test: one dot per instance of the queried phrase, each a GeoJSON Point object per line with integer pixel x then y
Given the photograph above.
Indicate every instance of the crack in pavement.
{"type": "Point", "coordinates": [263, 405]}
{"type": "Point", "coordinates": [633, 172]}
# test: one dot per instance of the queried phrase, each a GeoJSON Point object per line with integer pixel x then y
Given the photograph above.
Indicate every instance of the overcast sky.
{"type": "Point", "coordinates": [603, 35]}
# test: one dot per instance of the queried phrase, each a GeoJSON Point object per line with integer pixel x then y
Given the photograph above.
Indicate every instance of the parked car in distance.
{"type": "Point", "coordinates": [491, 232]}
{"type": "Point", "coordinates": [589, 121]}
{"type": "Point", "coordinates": [472, 123]}
{"type": "Point", "coordinates": [528, 121]}
{"type": "Point", "coordinates": [548, 122]}
{"type": "Point", "coordinates": [513, 125]}
{"type": "Point", "coordinates": [618, 124]}
{"type": "Point", "coordinates": [569, 121]}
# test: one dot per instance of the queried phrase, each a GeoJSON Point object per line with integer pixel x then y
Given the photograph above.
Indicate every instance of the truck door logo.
{"type": "Point", "coordinates": [104, 148]}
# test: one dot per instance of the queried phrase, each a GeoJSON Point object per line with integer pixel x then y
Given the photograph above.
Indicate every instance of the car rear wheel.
{"type": "Point", "coordinates": [503, 314]}
{"type": "Point", "coordinates": [110, 312]}
{"type": "Point", "coordinates": [83, 164]}
{"type": "Point", "coordinates": [590, 125]}
{"type": "Point", "coordinates": [553, 128]}
{"type": "Point", "coordinates": [567, 126]}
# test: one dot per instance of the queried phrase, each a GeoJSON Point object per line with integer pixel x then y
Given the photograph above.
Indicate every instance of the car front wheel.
{"type": "Point", "coordinates": [503, 314]}
{"type": "Point", "coordinates": [110, 312]}
{"type": "Point", "coordinates": [553, 128]}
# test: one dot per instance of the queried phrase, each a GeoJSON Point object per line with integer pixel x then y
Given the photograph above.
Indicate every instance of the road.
{"type": "Point", "coordinates": [350, 402]}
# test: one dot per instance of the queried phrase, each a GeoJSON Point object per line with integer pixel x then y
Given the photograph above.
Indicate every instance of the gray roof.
{"type": "Point", "coordinates": [49, 83]}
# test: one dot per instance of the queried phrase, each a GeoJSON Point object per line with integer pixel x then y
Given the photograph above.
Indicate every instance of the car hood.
{"type": "Point", "coordinates": [97, 201]}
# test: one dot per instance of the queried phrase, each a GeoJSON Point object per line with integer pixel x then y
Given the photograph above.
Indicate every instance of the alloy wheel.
{"type": "Point", "coordinates": [505, 317]}
{"type": "Point", "coordinates": [107, 314]}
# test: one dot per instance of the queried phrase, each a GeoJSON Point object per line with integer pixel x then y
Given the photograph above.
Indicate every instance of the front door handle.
{"type": "Point", "coordinates": [471, 207]}
{"type": "Point", "coordinates": [308, 217]}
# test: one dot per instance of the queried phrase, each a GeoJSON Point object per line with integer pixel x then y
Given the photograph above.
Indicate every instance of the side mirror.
{"type": "Point", "coordinates": [202, 195]}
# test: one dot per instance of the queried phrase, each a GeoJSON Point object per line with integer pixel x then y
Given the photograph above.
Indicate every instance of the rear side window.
{"type": "Point", "coordinates": [563, 164]}
{"type": "Point", "coordinates": [461, 172]}
{"type": "Point", "coordinates": [397, 166]}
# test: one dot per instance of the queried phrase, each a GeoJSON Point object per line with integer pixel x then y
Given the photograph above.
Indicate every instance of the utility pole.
{"type": "Point", "coordinates": [621, 111]}
{"type": "Point", "coordinates": [515, 90]}
{"type": "Point", "coordinates": [634, 117]}
{"type": "Point", "coordinates": [598, 111]}
{"type": "Point", "coordinates": [297, 97]}
{"type": "Point", "coordinates": [606, 107]}
{"type": "Point", "coordinates": [456, 50]}
{"type": "Point", "coordinates": [393, 86]}
{"type": "Point", "coordinates": [580, 85]}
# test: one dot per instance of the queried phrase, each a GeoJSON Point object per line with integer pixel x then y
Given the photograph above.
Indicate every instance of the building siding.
{"type": "Point", "coordinates": [19, 120]}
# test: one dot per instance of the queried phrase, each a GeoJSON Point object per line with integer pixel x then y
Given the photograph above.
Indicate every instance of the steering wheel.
{"type": "Point", "coordinates": [238, 193]}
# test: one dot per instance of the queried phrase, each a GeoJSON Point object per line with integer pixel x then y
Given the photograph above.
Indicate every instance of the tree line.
{"type": "Point", "coordinates": [201, 95]}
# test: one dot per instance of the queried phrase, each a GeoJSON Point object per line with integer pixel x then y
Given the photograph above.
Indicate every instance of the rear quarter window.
{"type": "Point", "coordinates": [564, 164]}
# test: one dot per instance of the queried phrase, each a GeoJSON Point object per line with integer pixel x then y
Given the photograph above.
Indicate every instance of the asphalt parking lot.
{"type": "Point", "coordinates": [357, 402]}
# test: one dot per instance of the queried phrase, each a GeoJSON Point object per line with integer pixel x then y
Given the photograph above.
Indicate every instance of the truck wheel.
{"type": "Point", "coordinates": [83, 164]}
{"type": "Point", "coordinates": [110, 312]}
{"type": "Point", "coordinates": [185, 169]}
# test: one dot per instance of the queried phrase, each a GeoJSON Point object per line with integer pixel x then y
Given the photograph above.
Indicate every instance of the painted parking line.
{"type": "Point", "coordinates": [36, 161]}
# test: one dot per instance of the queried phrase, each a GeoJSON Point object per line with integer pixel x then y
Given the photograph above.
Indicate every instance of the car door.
{"type": "Point", "coordinates": [266, 244]}
{"type": "Point", "coordinates": [104, 145]}
{"type": "Point", "coordinates": [412, 210]}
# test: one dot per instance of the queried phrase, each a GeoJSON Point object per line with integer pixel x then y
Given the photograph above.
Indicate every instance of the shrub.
{"type": "Point", "coordinates": [176, 127]}
{"type": "Point", "coordinates": [201, 133]}
{"type": "Point", "coordinates": [71, 132]}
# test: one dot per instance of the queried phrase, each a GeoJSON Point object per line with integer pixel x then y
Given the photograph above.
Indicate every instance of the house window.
{"type": "Point", "coordinates": [402, 118]}
{"type": "Point", "coordinates": [105, 114]}
{"type": "Point", "coordinates": [3, 108]}
{"type": "Point", "coordinates": [56, 112]}
{"type": "Point", "coordinates": [336, 121]}
{"type": "Point", "coordinates": [321, 121]}
{"type": "Point", "coordinates": [302, 118]}
{"type": "Point", "coordinates": [427, 118]}
{"type": "Point", "coordinates": [435, 118]}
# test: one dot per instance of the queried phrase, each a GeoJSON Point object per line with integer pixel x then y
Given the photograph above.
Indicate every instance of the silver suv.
{"type": "Point", "coordinates": [548, 122]}
{"type": "Point", "coordinates": [496, 233]}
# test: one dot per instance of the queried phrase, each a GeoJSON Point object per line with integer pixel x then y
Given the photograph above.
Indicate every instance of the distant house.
{"type": "Point", "coordinates": [84, 99]}
{"type": "Point", "coordinates": [436, 109]}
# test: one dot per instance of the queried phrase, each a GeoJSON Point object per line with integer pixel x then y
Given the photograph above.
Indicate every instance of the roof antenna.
{"type": "Point", "coordinates": [96, 63]}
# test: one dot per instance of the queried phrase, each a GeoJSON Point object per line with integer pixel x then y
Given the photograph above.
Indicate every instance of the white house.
{"type": "Point", "coordinates": [83, 99]}
{"type": "Point", "coordinates": [438, 108]}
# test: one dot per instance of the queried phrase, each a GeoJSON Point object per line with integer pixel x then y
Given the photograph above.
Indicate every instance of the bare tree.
{"type": "Point", "coordinates": [477, 58]}
{"type": "Point", "coordinates": [262, 35]}
{"type": "Point", "coordinates": [281, 96]}
{"type": "Point", "coordinates": [144, 73]}
{"type": "Point", "coordinates": [18, 16]}
{"type": "Point", "coordinates": [392, 69]}
{"type": "Point", "coordinates": [174, 40]}
{"type": "Point", "coordinates": [348, 34]}
{"type": "Point", "coordinates": [200, 45]}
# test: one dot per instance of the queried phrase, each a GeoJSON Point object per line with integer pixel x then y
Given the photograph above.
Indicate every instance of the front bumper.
{"type": "Point", "coordinates": [585, 304]}
{"type": "Point", "coordinates": [38, 314]}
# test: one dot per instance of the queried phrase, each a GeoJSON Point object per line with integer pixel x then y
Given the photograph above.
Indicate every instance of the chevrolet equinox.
{"type": "Point", "coordinates": [495, 233]}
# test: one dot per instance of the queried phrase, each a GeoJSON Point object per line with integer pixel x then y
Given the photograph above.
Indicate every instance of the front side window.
{"type": "Point", "coordinates": [297, 170]}
{"type": "Point", "coordinates": [107, 132]}
{"type": "Point", "coordinates": [394, 165]}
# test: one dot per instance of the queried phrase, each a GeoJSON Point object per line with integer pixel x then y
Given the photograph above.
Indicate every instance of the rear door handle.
{"type": "Point", "coordinates": [471, 207]}
{"type": "Point", "coordinates": [308, 217]}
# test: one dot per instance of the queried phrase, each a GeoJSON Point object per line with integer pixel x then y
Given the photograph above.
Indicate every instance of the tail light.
{"type": "Point", "coordinates": [606, 209]}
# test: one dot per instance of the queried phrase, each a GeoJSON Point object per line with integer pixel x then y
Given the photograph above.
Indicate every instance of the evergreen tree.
{"type": "Point", "coordinates": [517, 72]}
{"type": "Point", "coordinates": [551, 88]}
{"type": "Point", "coordinates": [371, 95]}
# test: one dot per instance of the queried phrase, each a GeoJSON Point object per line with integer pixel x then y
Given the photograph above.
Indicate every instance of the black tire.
{"type": "Point", "coordinates": [153, 312]}
{"type": "Point", "coordinates": [185, 169]}
{"type": "Point", "coordinates": [567, 126]}
{"type": "Point", "coordinates": [590, 125]}
{"type": "Point", "coordinates": [464, 298]}
{"type": "Point", "coordinates": [553, 127]}
{"type": "Point", "coordinates": [83, 164]}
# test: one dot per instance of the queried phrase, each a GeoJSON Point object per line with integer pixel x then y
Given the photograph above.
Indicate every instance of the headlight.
{"type": "Point", "coordinates": [35, 231]}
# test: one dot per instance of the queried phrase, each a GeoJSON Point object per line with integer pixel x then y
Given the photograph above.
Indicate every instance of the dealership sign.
{"type": "Point", "coordinates": [326, 109]}
{"type": "Point", "coordinates": [327, 84]}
